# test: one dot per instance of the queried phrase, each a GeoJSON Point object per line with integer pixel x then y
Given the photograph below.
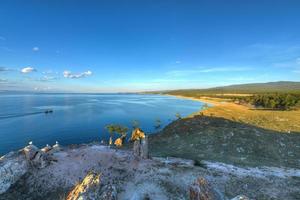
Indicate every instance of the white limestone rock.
{"type": "Point", "coordinates": [12, 167]}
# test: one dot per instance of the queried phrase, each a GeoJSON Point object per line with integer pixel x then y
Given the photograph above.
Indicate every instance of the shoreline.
{"type": "Point", "coordinates": [203, 100]}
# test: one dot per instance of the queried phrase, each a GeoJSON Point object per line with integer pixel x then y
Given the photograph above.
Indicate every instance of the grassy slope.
{"type": "Point", "coordinates": [233, 133]}
{"type": "Point", "coordinates": [219, 139]}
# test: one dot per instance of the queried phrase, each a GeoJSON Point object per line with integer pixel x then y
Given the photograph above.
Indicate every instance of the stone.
{"type": "Point", "coordinates": [88, 189]}
{"type": "Point", "coordinates": [137, 134]}
{"type": "Point", "coordinates": [30, 151]}
{"type": "Point", "coordinates": [91, 189]}
{"type": "Point", "coordinates": [12, 167]}
{"type": "Point", "coordinates": [46, 148]}
{"type": "Point", "coordinates": [119, 142]}
{"type": "Point", "coordinates": [240, 197]}
{"type": "Point", "coordinates": [202, 190]}
{"type": "Point", "coordinates": [56, 148]}
{"type": "Point", "coordinates": [144, 148]}
{"type": "Point", "coordinates": [108, 192]}
{"type": "Point", "coordinates": [36, 157]}
{"type": "Point", "coordinates": [140, 148]}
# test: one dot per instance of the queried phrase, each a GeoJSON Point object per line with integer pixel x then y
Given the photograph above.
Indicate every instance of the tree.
{"type": "Point", "coordinates": [157, 124]}
{"type": "Point", "coordinates": [119, 129]}
{"type": "Point", "coordinates": [135, 124]}
{"type": "Point", "coordinates": [178, 116]}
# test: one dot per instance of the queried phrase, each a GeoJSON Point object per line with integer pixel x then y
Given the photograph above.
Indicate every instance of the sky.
{"type": "Point", "coordinates": [129, 46]}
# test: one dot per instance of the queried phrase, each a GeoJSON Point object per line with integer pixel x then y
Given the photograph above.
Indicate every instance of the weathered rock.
{"type": "Point", "coordinates": [140, 148]}
{"type": "Point", "coordinates": [36, 157]}
{"type": "Point", "coordinates": [108, 192]}
{"type": "Point", "coordinates": [240, 197]}
{"type": "Point", "coordinates": [30, 151]}
{"type": "Point", "coordinates": [12, 167]}
{"type": "Point", "coordinates": [144, 148]}
{"type": "Point", "coordinates": [88, 189]}
{"type": "Point", "coordinates": [46, 148]}
{"type": "Point", "coordinates": [56, 147]}
{"type": "Point", "coordinates": [202, 190]}
{"type": "Point", "coordinates": [137, 134]}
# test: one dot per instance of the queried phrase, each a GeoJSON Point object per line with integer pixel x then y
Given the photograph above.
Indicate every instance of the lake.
{"type": "Point", "coordinates": [81, 118]}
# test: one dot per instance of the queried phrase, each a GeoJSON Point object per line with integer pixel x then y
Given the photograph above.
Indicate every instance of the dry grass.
{"type": "Point", "coordinates": [283, 121]}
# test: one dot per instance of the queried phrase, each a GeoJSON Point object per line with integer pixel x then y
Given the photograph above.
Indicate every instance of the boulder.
{"type": "Point", "coordinates": [12, 167]}
{"type": "Point", "coordinates": [240, 197]}
{"type": "Point", "coordinates": [91, 189]}
{"type": "Point", "coordinates": [88, 189]}
{"type": "Point", "coordinates": [56, 147]}
{"type": "Point", "coordinates": [46, 148]}
{"type": "Point", "coordinates": [30, 151]}
{"type": "Point", "coordinates": [202, 190]}
{"type": "Point", "coordinates": [36, 157]}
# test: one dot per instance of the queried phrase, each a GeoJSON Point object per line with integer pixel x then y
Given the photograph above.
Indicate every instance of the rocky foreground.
{"type": "Point", "coordinates": [96, 171]}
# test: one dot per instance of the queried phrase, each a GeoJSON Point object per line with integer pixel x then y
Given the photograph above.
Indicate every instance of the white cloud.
{"type": "Point", "coordinates": [35, 49]}
{"type": "Point", "coordinates": [69, 74]}
{"type": "Point", "coordinates": [178, 62]}
{"type": "Point", "coordinates": [27, 70]}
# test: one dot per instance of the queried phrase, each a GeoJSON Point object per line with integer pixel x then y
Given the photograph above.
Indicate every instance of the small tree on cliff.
{"type": "Point", "coordinates": [157, 124]}
{"type": "Point", "coordinates": [135, 124]}
{"type": "Point", "coordinates": [119, 129]}
{"type": "Point", "coordinates": [178, 116]}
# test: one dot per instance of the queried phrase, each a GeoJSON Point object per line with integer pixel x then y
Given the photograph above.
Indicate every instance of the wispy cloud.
{"type": "Point", "coordinates": [35, 49]}
{"type": "Point", "coordinates": [69, 74]}
{"type": "Point", "coordinates": [50, 72]}
{"type": "Point", "coordinates": [5, 69]}
{"type": "Point", "coordinates": [207, 70]}
{"type": "Point", "coordinates": [2, 38]}
{"type": "Point", "coordinates": [27, 70]}
{"type": "Point", "coordinates": [47, 78]}
{"type": "Point", "coordinates": [3, 80]}
{"type": "Point", "coordinates": [178, 62]}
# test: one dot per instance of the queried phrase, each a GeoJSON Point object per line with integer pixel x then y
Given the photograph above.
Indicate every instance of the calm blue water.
{"type": "Point", "coordinates": [80, 118]}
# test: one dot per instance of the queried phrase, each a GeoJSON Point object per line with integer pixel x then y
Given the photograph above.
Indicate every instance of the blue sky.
{"type": "Point", "coordinates": [120, 46]}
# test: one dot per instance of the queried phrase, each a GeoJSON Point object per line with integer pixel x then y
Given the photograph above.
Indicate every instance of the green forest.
{"type": "Point", "coordinates": [282, 101]}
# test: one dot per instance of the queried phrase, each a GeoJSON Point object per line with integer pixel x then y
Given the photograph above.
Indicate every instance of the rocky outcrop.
{"type": "Point", "coordinates": [12, 167]}
{"type": "Point", "coordinates": [140, 143]}
{"type": "Point", "coordinates": [202, 190]}
{"type": "Point", "coordinates": [140, 148]}
{"type": "Point", "coordinates": [56, 148]}
{"type": "Point", "coordinates": [15, 164]}
{"type": "Point", "coordinates": [36, 157]}
{"type": "Point", "coordinates": [90, 189]}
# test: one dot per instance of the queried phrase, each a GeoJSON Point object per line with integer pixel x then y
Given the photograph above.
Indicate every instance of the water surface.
{"type": "Point", "coordinates": [81, 118]}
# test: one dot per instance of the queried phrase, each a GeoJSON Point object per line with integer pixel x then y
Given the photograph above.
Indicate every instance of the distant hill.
{"type": "Point", "coordinates": [252, 88]}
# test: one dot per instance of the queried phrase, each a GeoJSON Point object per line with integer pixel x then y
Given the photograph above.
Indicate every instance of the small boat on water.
{"type": "Point", "coordinates": [48, 111]}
